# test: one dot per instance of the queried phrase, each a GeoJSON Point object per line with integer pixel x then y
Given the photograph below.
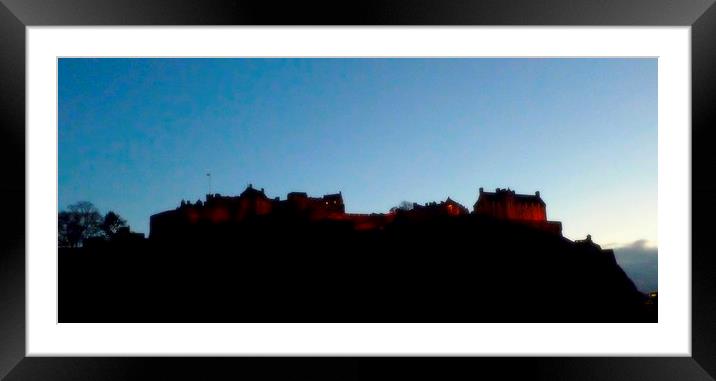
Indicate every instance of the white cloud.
{"type": "Point", "coordinates": [639, 260]}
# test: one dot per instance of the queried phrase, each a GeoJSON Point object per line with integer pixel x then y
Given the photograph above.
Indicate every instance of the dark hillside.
{"type": "Point", "coordinates": [452, 269]}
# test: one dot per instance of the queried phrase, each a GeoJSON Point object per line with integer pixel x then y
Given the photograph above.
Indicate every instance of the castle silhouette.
{"type": "Point", "coordinates": [252, 258]}
{"type": "Point", "coordinates": [253, 205]}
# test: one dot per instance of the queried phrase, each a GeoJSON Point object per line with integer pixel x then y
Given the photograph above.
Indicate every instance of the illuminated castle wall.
{"type": "Point", "coordinates": [218, 210]}
{"type": "Point", "coordinates": [505, 204]}
{"type": "Point", "coordinates": [251, 203]}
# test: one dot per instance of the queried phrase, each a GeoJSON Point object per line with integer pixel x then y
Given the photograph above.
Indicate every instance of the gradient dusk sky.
{"type": "Point", "coordinates": [139, 135]}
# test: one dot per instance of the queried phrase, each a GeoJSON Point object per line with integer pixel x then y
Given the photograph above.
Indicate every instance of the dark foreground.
{"type": "Point", "coordinates": [459, 269]}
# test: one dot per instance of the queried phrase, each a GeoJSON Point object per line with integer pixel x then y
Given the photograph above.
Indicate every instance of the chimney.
{"type": "Point", "coordinates": [537, 193]}
{"type": "Point", "coordinates": [481, 190]}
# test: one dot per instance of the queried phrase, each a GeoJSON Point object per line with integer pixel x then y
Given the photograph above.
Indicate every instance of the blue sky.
{"type": "Point", "coordinates": [138, 135]}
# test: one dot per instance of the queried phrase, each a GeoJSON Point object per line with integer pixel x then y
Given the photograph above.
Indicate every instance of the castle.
{"type": "Point", "coordinates": [253, 204]}
{"type": "Point", "coordinates": [505, 204]}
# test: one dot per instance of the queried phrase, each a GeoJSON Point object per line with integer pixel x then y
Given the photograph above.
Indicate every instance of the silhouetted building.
{"type": "Point", "coordinates": [448, 207]}
{"type": "Point", "coordinates": [505, 204]}
{"type": "Point", "coordinates": [253, 205]}
{"type": "Point", "coordinates": [326, 207]}
{"type": "Point", "coordinates": [590, 246]}
{"type": "Point", "coordinates": [124, 234]}
{"type": "Point", "coordinates": [123, 237]}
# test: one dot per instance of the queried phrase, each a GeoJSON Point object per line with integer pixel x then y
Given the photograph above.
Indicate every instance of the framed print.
{"type": "Point", "coordinates": [401, 180]}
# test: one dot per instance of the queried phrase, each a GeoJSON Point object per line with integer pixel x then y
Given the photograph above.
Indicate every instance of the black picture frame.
{"type": "Point", "coordinates": [15, 15]}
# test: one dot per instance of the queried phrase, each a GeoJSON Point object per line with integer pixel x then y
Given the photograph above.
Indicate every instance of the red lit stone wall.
{"type": "Point", "coordinates": [511, 209]}
{"type": "Point", "coordinates": [526, 211]}
{"type": "Point", "coordinates": [369, 221]}
{"type": "Point", "coordinates": [253, 207]}
{"type": "Point", "coordinates": [218, 214]}
{"type": "Point", "coordinates": [492, 208]}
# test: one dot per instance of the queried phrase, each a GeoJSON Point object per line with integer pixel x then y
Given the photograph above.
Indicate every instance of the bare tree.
{"type": "Point", "coordinates": [403, 206]}
{"type": "Point", "coordinates": [67, 230]}
{"type": "Point", "coordinates": [81, 221]}
{"type": "Point", "coordinates": [112, 223]}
